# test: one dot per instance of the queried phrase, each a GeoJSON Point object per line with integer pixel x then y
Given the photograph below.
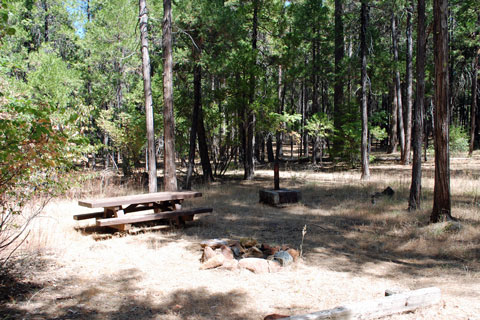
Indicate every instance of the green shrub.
{"type": "Point", "coordinates": [33, 153]}
{"type": "Point", "coordinates": [458, 139]}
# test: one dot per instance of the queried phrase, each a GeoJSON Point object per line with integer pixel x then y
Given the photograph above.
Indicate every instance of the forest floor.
{"type": "Point", "coordinates": [353, 250]}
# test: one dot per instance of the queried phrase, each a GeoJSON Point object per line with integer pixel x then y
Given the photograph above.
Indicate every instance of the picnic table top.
{"type": "Point", "coordinates": [138, 199]}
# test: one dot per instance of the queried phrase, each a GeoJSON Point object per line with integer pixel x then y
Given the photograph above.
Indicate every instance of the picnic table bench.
{"type": "Point", "coordinates": [117, 211]}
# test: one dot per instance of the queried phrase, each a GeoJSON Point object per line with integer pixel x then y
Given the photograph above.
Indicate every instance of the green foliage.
{"type": "Point", "coordinates": [33, 154]}
{"type": "Point", "coordinates": [458, 140]}
{"type": "Point", "coordinates": [284, 122]}
{"type": "Point", "coordinates": [127, 131]}
{"type": "Point", "coordinates": [29, 144]}
{"type": "Point", "coordinates": [91, 79]}
{"type": "Point", "coordinates": [319, 125]}
{"type": "Point", "coordinates": [378, 133]}
{"type": "Point", "coordinates": [52, 80]}
{"type": "Point", "coordinates": [33, 146]}
{"type": "Point", "coordinates": [352, 141]}
{"type": "Point", "coordinates": [5, 28]}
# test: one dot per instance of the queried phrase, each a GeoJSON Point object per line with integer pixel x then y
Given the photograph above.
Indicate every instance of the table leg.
{"type": "Point", "coordinates": [177, 205]}
{"type": "Point", "coordinates": [172, 205]}
{"type": "Point", "coordinates": [117, 212]}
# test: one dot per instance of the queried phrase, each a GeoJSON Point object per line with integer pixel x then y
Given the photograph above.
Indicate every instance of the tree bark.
{"type": "Point", "coordinates": [364, 107]}
{"type": "Point", "coordinates": [270, 155]}
{"type": "Point", "coordinates": [281, 104]}
{"type": "Point", "coordinates": [250, 125]}
{"type": "Point", "coordinates": [46, 31]}
{"type": "Point", "coordinates": [89, 15]}
{"type": "Point", "coordinates": [147, 90]}
{"type": "Point", "coordinates": [398, 88]}
{"type": "Point", "coordinates": [302, 109]}
{"type": "Point", "coordinates": [170, 177]}
{"type": "Point", "coordinates": [338, 96]}
{"type": "Point", "coordinates": [202, 142]}
{"type": "Point", "coordinates": [474, 102]}
{"type": "Point", "coordinates": [414, 201]}
{"type": "Point", "coordinates": [394, 122]}
{"type": "Point", "coordinates": [409, 78]}
{"type": "Point", "coordinates": [198, 127]}
{"type": "Point", "coordinates": [193, 129]}
{"type": "Point", "coordinates": [315, 106]}
{"type": "Point", "coordinates": [106, 152]}
{"type": "Point", "coordinates": [441, 193]}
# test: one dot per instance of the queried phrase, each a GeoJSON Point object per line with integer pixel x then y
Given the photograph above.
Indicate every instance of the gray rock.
{"type": "Point", "coordinates": [283, 257]}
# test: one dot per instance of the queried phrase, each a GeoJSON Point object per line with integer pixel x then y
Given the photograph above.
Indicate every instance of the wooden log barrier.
{"type": "Point", "coordinates": [372, 309]}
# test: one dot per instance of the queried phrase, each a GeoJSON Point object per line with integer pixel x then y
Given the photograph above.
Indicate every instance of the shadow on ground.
{"type": "Point", "coordinates": [98, 301]}
{"type": "Point", "coordinates": [337, 236]}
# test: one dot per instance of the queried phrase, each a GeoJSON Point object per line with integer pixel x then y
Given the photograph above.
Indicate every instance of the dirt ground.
{"type": "Point", "coordinates": [353, 250]}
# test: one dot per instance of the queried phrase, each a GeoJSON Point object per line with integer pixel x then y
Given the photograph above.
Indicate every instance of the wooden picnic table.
{"type": "Point", "coordinates": [117, 211]}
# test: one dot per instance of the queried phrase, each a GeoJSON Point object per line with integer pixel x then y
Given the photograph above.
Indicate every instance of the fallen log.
{"type": "Point", "coordinates": [372, 309]}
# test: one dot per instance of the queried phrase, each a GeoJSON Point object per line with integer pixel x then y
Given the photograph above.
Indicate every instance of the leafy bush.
{"type": "Point", "coordinates": [32, 153]}
{"type": "Point", "coordinates": [458, 139]}
{"type": "Point", "coordinates": [5, 28]}
{"type": "Point", "coordinates": [319, 126]}
{"type": "Point", "coordinates": [378, 133]}
{"type": "Point", "coordinates": [127, 131]}
{"type": "Point", "coordinates": [352, 142]}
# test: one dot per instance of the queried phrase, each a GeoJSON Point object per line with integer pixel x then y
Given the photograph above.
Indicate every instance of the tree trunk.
{"type": "Point", "coordinates": [364, 107]}
{"type": "Point", "coordinates": [193, 130]}
{"type": "Point", "coordinates": [394, 123]}
{"type": "Point", "coordinates": [250, 126]}
{"type": "Point", "coordinates": [106, 152]}
{"type": "Point", "coordinates": [304, 120]}
{"type": "Point", "coordinates": [409, 78]}
{"type": "Point", "coordinates": [414, 200]}
{"type": "Point", "coordinates": [257, 147]}
{"type": "Point", "coordinates": [338, 88]}
{"type": "Point", "coordinates": [202, 142]}
{"type": "Point", "coordinates": [302, 109]}
{"type": "Point", "coordinates": [170, 177]}
{"type": "Point", "coordinates": [474, 102]}
{"type": "Point", "coordinates": [89, 15]}
{"type": "Point", "coordinates": [291, 147]}
{"type": "Point", "coordinates": [281, 104]}
{"type": "Point", "coordinates": [315, 107]}
{"type": "Point", "coordinates": [262, 149]}
{"type": "Point", "coordinates": [147, 90]}
{"type": "Point", "coordinates": [270, 156]}
{"type": "Point", "coordinates": [398, 88]}
{"type": "Point", "coordinates": [46, 34]}
{"type": "Point", "coordinates": [441, 193]}
{"type": "Point", "coordinates": [198, 127]}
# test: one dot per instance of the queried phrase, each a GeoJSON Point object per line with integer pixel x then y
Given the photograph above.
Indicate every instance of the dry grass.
{"type": "Point", "coordinates": [353, 250]}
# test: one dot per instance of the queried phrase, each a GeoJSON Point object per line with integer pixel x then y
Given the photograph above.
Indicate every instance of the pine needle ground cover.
{"type": "Point", "coordinates": [353, 250]}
